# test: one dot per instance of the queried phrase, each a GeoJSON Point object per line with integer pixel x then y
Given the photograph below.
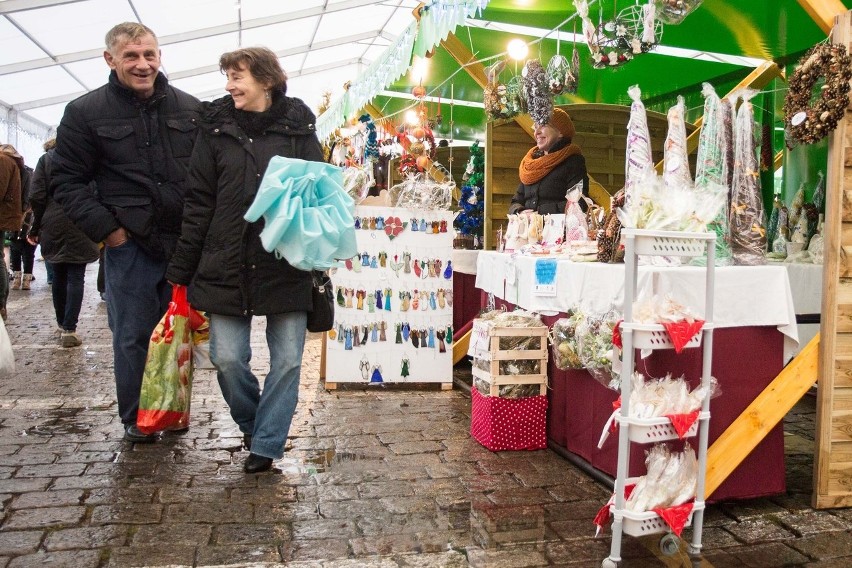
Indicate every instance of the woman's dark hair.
{"type": "Point", "coordinates": [261, 62]}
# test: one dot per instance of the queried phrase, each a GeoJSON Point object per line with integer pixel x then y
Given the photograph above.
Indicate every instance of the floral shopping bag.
{"type": "Point", "coordinates": [167, 379]}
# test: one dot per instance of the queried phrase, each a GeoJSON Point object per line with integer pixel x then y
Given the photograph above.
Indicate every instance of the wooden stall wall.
{"type": "Point", "coordinates": [833, 460]}
{"type": "Point", "coordinates": [602, 135]}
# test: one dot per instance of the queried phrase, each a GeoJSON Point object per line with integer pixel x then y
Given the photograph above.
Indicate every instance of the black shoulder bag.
{"type": "Point", "coordinates": [321, 318]}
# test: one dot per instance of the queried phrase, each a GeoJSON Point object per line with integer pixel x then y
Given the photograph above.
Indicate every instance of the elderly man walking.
{"type": "Point", "coordinates": [133, 138]}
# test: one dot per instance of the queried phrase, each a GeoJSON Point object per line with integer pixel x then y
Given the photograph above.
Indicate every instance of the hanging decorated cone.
{"type": "Point", "coordinates": [747, 217]}
{"type": "Point", "coordinates": [676, 517]}
{"type": "Point", "coordinates": [680, 332]}
{"type": "Point", "coordinates": [536, 92]}
{"type": "Point", "coordinates": [675, 157]}
{"type": "Point", "coordinates": [639, 162]}
{"type": "Point", "coordinates": [683, 422]}
{"type": "Point", "coordinates": [711, 169]}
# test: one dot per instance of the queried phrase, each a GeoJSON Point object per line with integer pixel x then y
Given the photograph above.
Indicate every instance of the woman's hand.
{"type": "Point", "coordinates": [32, 239]}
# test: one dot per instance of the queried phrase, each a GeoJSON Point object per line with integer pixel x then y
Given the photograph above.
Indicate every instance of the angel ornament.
{"type": "Point", "coordinates": [576, 227]}
{"type": "Point", "coordinates": [535, 229]}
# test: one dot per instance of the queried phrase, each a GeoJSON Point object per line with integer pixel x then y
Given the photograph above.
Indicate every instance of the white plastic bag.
{"type": "Point", "coordinates": [7, 358]}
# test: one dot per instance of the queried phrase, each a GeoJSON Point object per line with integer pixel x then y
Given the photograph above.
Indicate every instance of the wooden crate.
{"type": "Point", "coordinates": [495, 355]}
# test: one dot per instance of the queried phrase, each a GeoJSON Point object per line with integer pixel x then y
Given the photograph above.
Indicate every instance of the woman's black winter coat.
{"type": "Point", "coordinates": [547, 196]}
{"type": "Point", "coordinates": [219, 253]}
{"type": "Point", "coordinates": [60, 239]}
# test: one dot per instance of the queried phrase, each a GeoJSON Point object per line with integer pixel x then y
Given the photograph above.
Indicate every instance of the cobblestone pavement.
{"type": "Point", "coordinates": [377, 477]}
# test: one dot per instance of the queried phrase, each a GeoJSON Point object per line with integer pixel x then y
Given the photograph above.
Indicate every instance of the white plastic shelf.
{"type": "Point", "coordinates": [654, 430]}
{"type": "Point", "coordinates": [655, 336]}
{"type": "Point", "coordinates": [668, 243]}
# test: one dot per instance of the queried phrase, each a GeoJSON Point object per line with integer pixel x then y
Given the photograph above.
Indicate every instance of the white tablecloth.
{"type": "Point", "coordinates": [744, 295]}
{"type": "Point", "coordinates": [464, 261]}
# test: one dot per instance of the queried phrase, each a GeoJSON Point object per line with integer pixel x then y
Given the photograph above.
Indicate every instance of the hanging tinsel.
{"type": "Point", "coordinates": [536, 92]}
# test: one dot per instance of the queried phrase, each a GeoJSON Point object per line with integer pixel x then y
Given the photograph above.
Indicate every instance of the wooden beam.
{"type": "Point", "coordinates": [825, 493]}
{"type": "Point", "coordinates": [823, 12]}
{"type": "Point", "coordinates": [460, 347]}
{"type": "Point", "coordinates": [459, 51]}
{"type": "Point", "coordinates": [761, 416]}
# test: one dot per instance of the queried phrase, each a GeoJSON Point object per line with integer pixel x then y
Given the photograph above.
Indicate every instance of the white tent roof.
{"type": "Point", "coordinates": [51, 51]}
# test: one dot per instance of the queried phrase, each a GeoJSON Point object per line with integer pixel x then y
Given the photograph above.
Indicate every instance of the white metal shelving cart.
{"type": "Point", "coordinates": [632, 430]}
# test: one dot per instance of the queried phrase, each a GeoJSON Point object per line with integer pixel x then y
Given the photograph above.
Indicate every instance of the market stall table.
{"type": "Point", "coordinates": [754, 320]}
{"type": "Point", "coordinates": [466, 296]}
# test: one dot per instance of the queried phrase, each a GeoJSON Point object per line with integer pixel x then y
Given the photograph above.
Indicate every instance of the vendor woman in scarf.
{"type": "Point", "coordinates": [551, 168]}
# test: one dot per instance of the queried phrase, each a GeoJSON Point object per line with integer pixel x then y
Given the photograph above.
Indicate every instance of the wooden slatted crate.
{"type": "Point", "coordinates": [497, 356]}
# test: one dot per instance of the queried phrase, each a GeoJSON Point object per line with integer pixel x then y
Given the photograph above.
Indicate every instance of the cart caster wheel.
{"type": "Point", "coordinates": [669, 545]}
{"type": "Point", "coordinates": [607, 563]}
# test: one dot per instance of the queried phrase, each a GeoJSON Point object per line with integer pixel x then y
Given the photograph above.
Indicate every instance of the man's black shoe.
{"type": "Point", "coordinates": [256, 464]}
{"type": "Point", "coordinates": [247, 441]}
{"type": "Point", "coordinates": [134, 435]}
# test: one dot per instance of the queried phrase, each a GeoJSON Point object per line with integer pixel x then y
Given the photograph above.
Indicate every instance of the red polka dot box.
{"type": "Point", "coordinates": [509, 423]}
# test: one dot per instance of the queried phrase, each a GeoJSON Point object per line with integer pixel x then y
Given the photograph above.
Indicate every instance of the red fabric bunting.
{"type": "Point", "coordinates": [616, 334]}
{"type": "Point", "coordinates": [683, 422]}
{"type": "Point", "coordinates": [602, 516]}
{"type": "Point", "coordinates": [676, 517]}
{"type": "Point", "coordinates": [680, 332]}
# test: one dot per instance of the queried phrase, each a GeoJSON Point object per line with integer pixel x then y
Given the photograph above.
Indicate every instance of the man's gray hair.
{"type": "Point", "coordinates": [126, 30]}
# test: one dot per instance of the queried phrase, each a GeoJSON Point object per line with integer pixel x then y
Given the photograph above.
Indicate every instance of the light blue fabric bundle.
{"type": "Point", "coordinates": [309, 216]}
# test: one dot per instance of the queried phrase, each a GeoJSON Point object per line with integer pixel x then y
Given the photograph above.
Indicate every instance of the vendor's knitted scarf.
{"type": "Point", "coordinates": [536, 164]}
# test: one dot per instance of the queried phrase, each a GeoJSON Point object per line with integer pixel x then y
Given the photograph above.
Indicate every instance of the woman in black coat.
{"type": "Point", "coordinates": [220, 254]}
{"type": "Point", "coordinates": [552, 167]}
{"type": "Point", "coordinates": [64, 246]}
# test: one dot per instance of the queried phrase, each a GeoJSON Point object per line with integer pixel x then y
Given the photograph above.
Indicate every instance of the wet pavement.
{"type": "Point", "coordinates": [376, 477]}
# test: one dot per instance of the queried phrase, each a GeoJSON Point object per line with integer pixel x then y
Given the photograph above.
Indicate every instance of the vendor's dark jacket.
{"type": "Point", "coordinates": [548, 194]}
{"type": "Point", "coordinates": [219, 253]}
{"type": "Point", "coordinates": [136, 152]}
{"type": "Point", "coordinates": [61, 241]}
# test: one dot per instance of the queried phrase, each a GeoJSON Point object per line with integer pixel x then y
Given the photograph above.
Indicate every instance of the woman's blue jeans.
{"type": "Point", "coordinates": [265, 415]}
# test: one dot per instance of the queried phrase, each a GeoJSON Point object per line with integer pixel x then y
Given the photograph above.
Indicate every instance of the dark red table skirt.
{"type": "Point", "coordinates": [467, 300]}
{"type": "Point", "coordinates": [745, 361]}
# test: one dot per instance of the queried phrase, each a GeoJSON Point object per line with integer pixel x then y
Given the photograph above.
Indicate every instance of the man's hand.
{"type": "Point", "coordinates": [116, 238]}
{"type": "Point", "coordinates": [33, 240]}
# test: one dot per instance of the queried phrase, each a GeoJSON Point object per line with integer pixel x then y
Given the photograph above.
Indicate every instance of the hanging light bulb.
{"type": "Point", "coordinates": [419, 69]}
{"type": "Point", "coordinates": [517, 49]}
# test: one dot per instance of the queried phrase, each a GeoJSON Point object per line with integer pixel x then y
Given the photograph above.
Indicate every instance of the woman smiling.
{"type": "Point", "coordinates": [220, 254]}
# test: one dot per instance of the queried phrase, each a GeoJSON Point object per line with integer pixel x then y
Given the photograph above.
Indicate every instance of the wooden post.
{"type": "Point", "coordinates": [833, 451]}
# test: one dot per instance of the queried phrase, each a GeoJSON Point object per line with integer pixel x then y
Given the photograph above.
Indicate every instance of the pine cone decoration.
{"type": "Point", "coordinates": [537, 92]}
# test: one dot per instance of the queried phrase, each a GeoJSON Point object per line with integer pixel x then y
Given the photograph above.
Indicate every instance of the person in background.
{"type": "Point", "coordinates": [64, 246]}
{"type": "Point", "coordinates": [133, 137]}
{"type": "Point", "coordinates": [21, 252]}
{"type": "Point", "coordinates": [220, 254]}
{"type": "Point", "coordinates": [552, 167]}
{"type": "Point", "coordinates": [11, 215]}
